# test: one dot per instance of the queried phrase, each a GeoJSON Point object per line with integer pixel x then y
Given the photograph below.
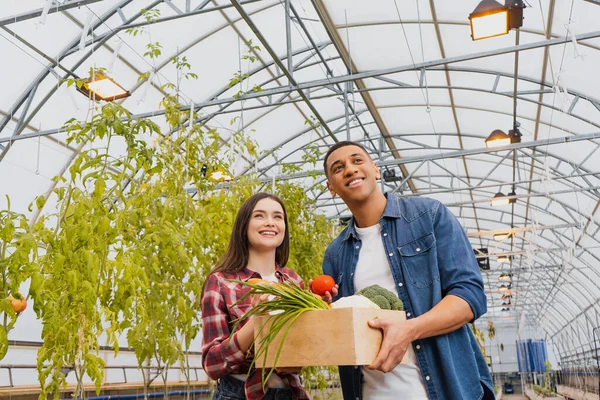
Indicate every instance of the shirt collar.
{"type": "Point", "coordinates": [246, 274]}
{"type": "Point", "coordinates": [392, 210]}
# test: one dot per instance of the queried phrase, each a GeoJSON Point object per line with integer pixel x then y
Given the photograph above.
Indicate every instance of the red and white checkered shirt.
{"type": "Point", "coordinates": [221, 357]}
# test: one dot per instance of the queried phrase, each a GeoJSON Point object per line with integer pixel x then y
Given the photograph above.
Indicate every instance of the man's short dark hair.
{"type": "Point", "coordinates": [339, 145]}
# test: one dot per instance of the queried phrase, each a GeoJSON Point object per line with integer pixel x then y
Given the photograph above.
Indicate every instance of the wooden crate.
{"type": "Point", "coordinates": [326, 337]}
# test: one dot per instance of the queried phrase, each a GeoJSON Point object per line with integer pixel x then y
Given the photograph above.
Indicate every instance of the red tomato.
{"type": "Point", "coordinates": [322, 284]}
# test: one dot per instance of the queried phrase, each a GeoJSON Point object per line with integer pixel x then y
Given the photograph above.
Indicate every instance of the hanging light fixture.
{"type": "Point", "coordinates": [497, 139]}
{"type": "Point", "coordinates": [504, 288]}
{"type": "Point", "coordinates": [505, 277]}
{"type": "Point", "coordinates": [491, 18]}
{"type": "Point", "coordinates": [102, 87]}
{"type": "Point", "coordinates": [500, 237]}
{"type": "Point", "coordinates": [499, 199]}
{"type": "Point", "coordinates": [503, 259]}
{"type": "Point", "coordinates": [221, 176]}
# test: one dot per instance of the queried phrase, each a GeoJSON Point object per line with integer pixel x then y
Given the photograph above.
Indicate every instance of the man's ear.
{"type": "Point", "coordinates": [377, 172]}
{"type": "Point", "coordinates": [330, 188]}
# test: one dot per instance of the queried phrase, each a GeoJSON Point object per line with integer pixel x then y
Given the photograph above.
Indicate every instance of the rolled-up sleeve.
{"type": "Point", "coordinates": [220, 356]}
{"type": "Point", "coordinates": [459, 270]}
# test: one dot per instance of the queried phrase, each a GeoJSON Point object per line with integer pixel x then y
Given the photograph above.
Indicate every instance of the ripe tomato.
{"type": "Point", "coordinates": [18, 305]}
{"type": "Point", "coordinates": [322, 284]}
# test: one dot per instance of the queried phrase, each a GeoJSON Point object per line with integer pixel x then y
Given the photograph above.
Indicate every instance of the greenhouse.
{"type": "Point", "coordinates": [132, 132]}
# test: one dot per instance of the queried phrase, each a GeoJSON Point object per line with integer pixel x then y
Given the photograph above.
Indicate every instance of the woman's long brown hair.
{"type": "Point", "coordinates": [236, 257]}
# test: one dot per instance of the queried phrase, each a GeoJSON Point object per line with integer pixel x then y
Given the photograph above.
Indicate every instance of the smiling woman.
{"type": "Point", "coordinates": [258, 250]}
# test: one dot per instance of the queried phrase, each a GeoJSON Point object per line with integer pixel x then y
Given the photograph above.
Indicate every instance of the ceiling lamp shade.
{"type": "Point", "coordinates": [499, 199]}
{"type": "Point", "coordinates": [101, 87]}
{"type": "Point", "coordinates": [221, 176]}
{"type": "Point", "coordinates": [500, 237]}
{"type": "Point", "coordinates": [498, 139]}
{"type": "Point", "coordinates": [505, 277]}
{"type": "Point", "coordinates": [503, 259]}
{"type": "Point", "coordinates": [504, 288]}
{"type": "Point", "coordinates": [489, 19]}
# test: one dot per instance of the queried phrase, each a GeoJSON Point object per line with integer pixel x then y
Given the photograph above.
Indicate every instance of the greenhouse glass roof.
{"type": "Point", "coordinates": [402, 77]}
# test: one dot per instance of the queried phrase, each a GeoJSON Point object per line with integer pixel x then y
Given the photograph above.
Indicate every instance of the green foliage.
{"type": "Point", "coordinates": [150, 16]}
{"type": "Point", "coordinates": [127, 251]}
{"type": "Point", "coordinates": [491, 328]}
{"type": "Point", "coordinates": [480, 339]}
{"type": "Point", "coordinates": [153, 50]}
{"type": "Point", "coordinates": [543, 392]}
{"type": "Point", "coordinates": [18, 253]}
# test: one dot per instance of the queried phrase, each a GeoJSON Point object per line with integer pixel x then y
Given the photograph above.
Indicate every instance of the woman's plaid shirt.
{"type": "Point", "coordinates": [221, 357]}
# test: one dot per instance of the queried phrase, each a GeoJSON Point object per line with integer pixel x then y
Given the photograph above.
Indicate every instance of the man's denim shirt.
{"type": "Point", "coordinates": [430, 257]}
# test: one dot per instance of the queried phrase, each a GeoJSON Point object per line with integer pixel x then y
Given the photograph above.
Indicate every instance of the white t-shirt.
{"type": "Point", "coordinates": [404, 381]}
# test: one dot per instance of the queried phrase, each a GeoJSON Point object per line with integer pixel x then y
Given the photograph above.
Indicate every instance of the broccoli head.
{"type": "Point", "coordinates": [385, 299]}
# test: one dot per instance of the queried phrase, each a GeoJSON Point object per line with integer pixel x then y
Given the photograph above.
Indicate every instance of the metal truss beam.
{"type": "Point", "coordinates": [66, 5]}
{"type": "Point", "coordinates": [371, 74]}
{"type": "Point", "coordinates": [281, 66]}
{"type": "Point", "coordinates": [366, 96]}
{"type": "Point", "coordinates": [97, 42]}
{"type": "Point", "coordinates": [214, 101]}
{"type": "Point", "coordinates": [460, 153]}
{"type": "Point", "coordinates": [517, 230]}
{"type": "Point", "coordinates": [411, 67]}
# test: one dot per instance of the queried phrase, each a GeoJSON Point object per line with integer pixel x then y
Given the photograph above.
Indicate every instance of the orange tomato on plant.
{"type": "Point", "coordinates": [18, 305]}
{"type": "Point", "coordinates": [322, 284]}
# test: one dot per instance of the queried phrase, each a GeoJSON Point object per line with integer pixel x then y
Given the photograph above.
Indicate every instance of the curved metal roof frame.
{"type": "Point", "coordinates": [548, 275]}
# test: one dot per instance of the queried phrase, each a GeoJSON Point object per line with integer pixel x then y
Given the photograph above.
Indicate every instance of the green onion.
{"type": "Point", "coordinates": [289, 298]}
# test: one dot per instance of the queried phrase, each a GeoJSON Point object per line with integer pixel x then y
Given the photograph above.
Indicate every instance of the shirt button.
{"type": "Point", "coordinates": [408, 314]}
{"type": "Point", "coordinates": [418, 347]}
{"type": "Point", "coordinates": [418, 249]}
{"type": "Point", "coordinates": [391, 254]}
{"type": "Point", "coordinates": [356, 367]}
{"type": "Point", "coordinates": [358, 247]}
{"type": "Point", "coordinates": [400, 284]}
{"type": "Point", "coordinates": [427, 377]}
{"type": "Point", "coordinates": [384, 234]}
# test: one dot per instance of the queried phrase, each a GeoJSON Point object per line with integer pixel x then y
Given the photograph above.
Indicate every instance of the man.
{"type": "Point", "coordinates": [416, 248]}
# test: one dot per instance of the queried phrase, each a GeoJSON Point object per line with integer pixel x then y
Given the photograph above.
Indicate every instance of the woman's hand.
{"type": "Point", "coordinates": [260, 298]}
{"type": "Point", "coordinates": [328, 295]}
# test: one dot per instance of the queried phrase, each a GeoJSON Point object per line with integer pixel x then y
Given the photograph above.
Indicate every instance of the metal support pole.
{"type": "Point", "coordinates": [380, 150]}
{"type": "Point", "coordinates": [596, 354]}
{"type": "Point", "coordinates": [288, 36]}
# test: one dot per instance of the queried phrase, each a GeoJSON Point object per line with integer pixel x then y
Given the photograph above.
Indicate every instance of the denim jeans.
{"type": "Point", "coordinates": [230, 388]}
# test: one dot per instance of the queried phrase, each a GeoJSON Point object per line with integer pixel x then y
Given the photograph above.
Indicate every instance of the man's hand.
{"type": "Point", "coordinates": [328, 296]}
{"type": "Point", "coordinates": [397, 336]}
